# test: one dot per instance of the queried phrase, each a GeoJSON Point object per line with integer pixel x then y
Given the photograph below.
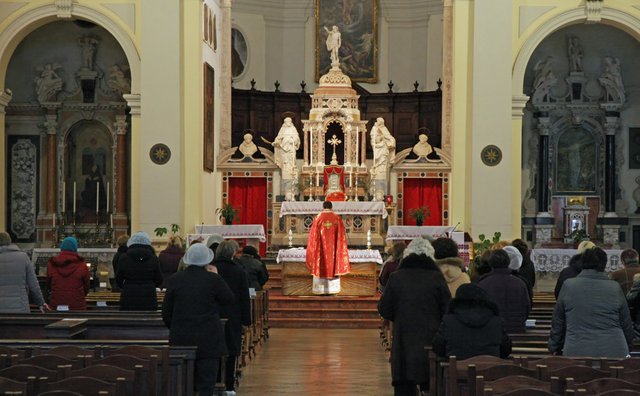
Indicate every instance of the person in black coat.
{"type": "Point", "coordinates": [139, 275]}
{"type": "Point", "coordinates": [527, 269]}
{"type": "Point", "coordinates": [256, 270]}
{"type": "Point", "coordinates": [122, 249]}
{"type": "Point", "coordinates": [170, 258]}
{"type": "Point", "coordinates": [415, 300]}
{"type": "Point", "coordinates": [191, 311]}
{"type": "Point", "coordinates": [238, 313]}
{"type": "Point", "coordinates": [507, 291]}
{"type": "Point", "coordinates": [472, 327]}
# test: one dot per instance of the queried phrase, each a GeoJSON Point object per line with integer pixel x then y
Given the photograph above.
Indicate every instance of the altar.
{"type": "Point", "coordinates": [555, 260]}
{"type": "Point", "coordinates": [98, 260]}
{"type": "Point", "coordinates": [361, 281]}
{"type": "Point", "coordinates": [252, 234]}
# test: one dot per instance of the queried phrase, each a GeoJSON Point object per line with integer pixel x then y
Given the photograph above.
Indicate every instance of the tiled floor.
{"type": "Point", "coordinates": [319, 362]}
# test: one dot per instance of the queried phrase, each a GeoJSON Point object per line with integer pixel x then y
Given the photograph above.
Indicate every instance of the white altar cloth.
{"type": "Point", "coordinates": [555, 260]}
{"type": "Point", "coordinates": [355, 255]}
{"type": "Point", "coordinates": [363, 208]}
{"type": "Point", "coordinates": [233, 231]}
{"type": "Point", "coordinates": [412, 232]}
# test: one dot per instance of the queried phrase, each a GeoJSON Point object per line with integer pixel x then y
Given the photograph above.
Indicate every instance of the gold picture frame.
{"type": "Point", "coordinates": [208, 121]}
{"type": "Point", "coordinates": [358, 25]}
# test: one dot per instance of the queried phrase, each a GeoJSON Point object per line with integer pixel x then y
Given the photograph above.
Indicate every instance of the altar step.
{"type": "Point", "coordinates": [323, 311]}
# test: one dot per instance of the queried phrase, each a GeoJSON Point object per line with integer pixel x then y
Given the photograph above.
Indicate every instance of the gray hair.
{"type": "Point", "coordinates": [227, 249]}
{"type": "Point", "coordinates": [5, 239]}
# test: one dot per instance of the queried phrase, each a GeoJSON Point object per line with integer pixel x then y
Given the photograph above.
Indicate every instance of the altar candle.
{"type": "Point", "coordinates": [357, 140]}
{"type": "Point", "coordinates": [107, 191]}
{"type": "Point", "coordinates": [350, 179]}
{"type": "Point", "coordinates": [74, 197]}
{"type": "Point", "coordinates": [111, 220]}
{"type": "Point", "coordinates": [64, 197]}
{"type": "Point", "coordinates": [97, 197]}
{"type": "Point", "coordinates": [317, 179]}
{"type": "Point", "coordinates": [311, 146]}
{"type": "Point", "coordinates": [53, 221]}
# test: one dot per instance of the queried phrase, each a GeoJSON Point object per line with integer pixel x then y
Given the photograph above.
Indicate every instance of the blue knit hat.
{"type": "Point", "coordinates": [139, 238]}
{"type": "Point", "coordinates": [69, 244]}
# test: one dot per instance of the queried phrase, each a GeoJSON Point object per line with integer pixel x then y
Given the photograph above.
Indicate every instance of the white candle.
{"type": "Point", "coordinates": [350, 179]}
{"type": "Point", "coordinates": [74, 197]}
{"type": "Point", "coordinates": [317, 179]}
{"type": "Point", "coordinates": [357, 140]}
{"type": "Point", "coordinates": [97, 197]}
{"type": "Point", "coordinates": [64, 197]}
{"type": "Point", "coordinates": [311, 146]}
{"type": "Point", "coordinates": [107, 192]}
{"type": "Point", "coordinates": [111, 219]}
{"type": "Point", "coordinates": [53, 221]}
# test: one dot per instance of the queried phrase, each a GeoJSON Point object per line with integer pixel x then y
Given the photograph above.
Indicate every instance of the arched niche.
{"type": "Point", "coordinates": [336, 128]}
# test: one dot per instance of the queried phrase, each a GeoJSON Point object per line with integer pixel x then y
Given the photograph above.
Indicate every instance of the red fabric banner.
{"type": "Point", "coordinates": [423, 192]}
{"type": "Point", "coordinates": [249, 195]}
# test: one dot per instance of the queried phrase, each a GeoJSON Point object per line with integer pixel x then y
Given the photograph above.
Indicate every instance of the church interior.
{"type": "Point", "coordinates": [514, 119]}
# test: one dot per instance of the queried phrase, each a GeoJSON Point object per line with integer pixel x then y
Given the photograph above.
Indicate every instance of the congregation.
{"type": "Point", "coordinates": [430, 296]}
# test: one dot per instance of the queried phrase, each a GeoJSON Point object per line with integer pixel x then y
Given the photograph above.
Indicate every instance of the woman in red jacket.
{"type": "Point", "coordinates": [68, 277]}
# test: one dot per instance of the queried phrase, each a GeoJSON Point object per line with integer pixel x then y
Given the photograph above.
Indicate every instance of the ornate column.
{"type": "Point", "coordinates": [51, 126]}
{"type": "Point", "coordinates": [134, 103]}
{"type": "Point", "coordinates": [611, 126]}
{"type": "Point", "coordinates": [5, 98]}
{"type": "Point", "coordinates": [543, 166]}
{"type": "Point", "coordinates": [225, 75]}
{"type": "Point", "coordinates": [120, 179]}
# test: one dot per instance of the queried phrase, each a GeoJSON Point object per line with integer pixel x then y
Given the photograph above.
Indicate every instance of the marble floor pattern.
{"type": "Point", "coordinates": [310, 362]}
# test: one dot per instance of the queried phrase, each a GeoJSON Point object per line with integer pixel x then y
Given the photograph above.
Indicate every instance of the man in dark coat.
{"type": "Point", "coordinates": [238, 313]}
{"type": "Point", "coordinates": [256, 270]}
{"type": "Point", "coordinates": [415, 300]}
{"type": "Point", "coordinates": [472, 327]}
{"type": "Point", "coordinates": [527, 269]}
{"type": "Point", "coordinates": [191, 311]}
{"type": "Point", "coordinates": [507, 291]}
{"type": "Point", "coordinates": [139, 275]}
{"type": "Point", "coordinates": [624, 276]}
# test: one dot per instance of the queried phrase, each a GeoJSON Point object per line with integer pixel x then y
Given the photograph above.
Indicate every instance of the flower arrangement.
{"type": "Point", "coordinates": [227, 213]}
{"type": "Point", "coordinates": [419, 214]}
{"type": "Point", "coordinates": [578, 236]}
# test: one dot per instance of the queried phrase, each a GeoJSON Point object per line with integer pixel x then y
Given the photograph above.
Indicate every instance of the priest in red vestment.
{"type": "Point", "coordinates": [327, 252]}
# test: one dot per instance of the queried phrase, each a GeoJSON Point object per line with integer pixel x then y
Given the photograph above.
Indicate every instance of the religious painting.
{"type": "Point", "coordinates": [239, 53]}
{"type": "Point", "coordinates": [208, 125]}
{"type": "Point", "coordinates": [576, 162]}
{"type": "Point", "coordinates": [352, 27]}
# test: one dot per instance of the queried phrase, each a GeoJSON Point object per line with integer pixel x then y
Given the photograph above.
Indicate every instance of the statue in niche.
{"type": "Point", "coordinates": [334, 41]}
{"type": "Point", "coordinates": [93, 187]}
{"type": "Point", "coordinates": [575, 55]}
{"type": "Point", "coordinates": [48, 83]}
{"type": "Point", "coordinates": [88, 45]}
{"type": "Point", "coordinates": [248, 147]}
{"type": "Point", "coordinates": [611, 79]}
{"type": "Point", "coordinates": [285, 146]}
{"type": "Point", "coordinates": [117, 81]}
{"type": "Point", "coordinates": [384, 149]}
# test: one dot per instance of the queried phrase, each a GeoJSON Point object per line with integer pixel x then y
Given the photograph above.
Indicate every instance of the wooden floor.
{"type": "Point", "coordinates": [319, 362]}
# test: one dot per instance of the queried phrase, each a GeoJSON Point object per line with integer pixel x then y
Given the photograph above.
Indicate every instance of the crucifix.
{"type": "Point", "coordinates": [334, 141]}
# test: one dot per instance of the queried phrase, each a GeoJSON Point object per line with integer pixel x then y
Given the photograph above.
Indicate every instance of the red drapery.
{"type": "Point", "coordinates": [423, 192]}
{"type": "Point", "coordinates": [249, 194]}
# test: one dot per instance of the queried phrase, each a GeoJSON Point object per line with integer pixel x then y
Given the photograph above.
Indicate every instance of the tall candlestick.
{"type": "Point", "coordinates": [357, 151]}
{"type": "Point", "coordinates": [111, 220]}
{"type": "Point", "coordinates": [311, 146]}
{"type": "Point", "coordinates": [317, 179]}
{"type": "Point", "coordinates": [74, 197]}
{"type": "Point", "coordinates": [108, 193]}
{"type": "Point", "coordinates": [97, 197]}
{"type": "Point", "coordinates": [64, 197]}
{"type": "Point", "coordinates": [350, 179]}
{"type": "Point", "coordinates": [53, 221]}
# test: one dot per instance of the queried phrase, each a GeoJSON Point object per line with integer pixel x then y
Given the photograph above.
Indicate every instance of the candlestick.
{"type": "Point", "coordinates": [369, 239]}
{"type": "Point", "coordinates": [357, 151]}
{"type": "Point", "coordinates": [97, 197]}
{"type": "Point", "coordinates": [356, 193]}
{"type": "Point", "coordinates": [64, 197]}
{"type": "Point", "coordinates": [350, 179]}
{"type": "Point", "coordinates": [107, 191]}
{"type": "Point", "coordinates": [311, 146]}
{"type": "Point", "coordinates": [53, 221]}
{"type": "Point", "coordinates": [317, 179]}
{"type": "Point", "coordinates": [290, 238]}
{"type": "Point", "coordinates": [111, 220]}
{"type": "Point", "coordinates": [74, 198]}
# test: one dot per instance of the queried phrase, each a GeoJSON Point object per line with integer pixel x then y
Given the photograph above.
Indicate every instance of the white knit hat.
{"type": "Point", "coordinates": [198, 254]}
{"type": "Point", "coordinates": [515, 257]}
{"type": "Point", "coordinates": [420, 246]}
{"type": "Point", "coordinates": [139, 238]}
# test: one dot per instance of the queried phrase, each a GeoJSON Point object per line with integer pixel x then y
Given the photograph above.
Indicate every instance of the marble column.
{"type": "Point", "coordinates": [543, 165]}
{"type": "Point", "coordinates": [134, 103]}
{"type": "Point", "coordinates": [611, 125]}
{"type": "Point", "coordinates": [51, 126]}
{"type": "Point", "coordinates": [225, 75]}
{"type": "Point", "coordinates": [120, 179]}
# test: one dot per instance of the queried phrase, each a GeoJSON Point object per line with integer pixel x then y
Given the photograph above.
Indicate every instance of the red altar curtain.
{"type": "Point", "coordinates": [249, 194]}
{"type": "Point", "coordinates": [423, 192]}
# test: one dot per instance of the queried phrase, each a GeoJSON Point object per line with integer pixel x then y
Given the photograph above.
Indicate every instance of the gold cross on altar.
{"type": "Point", "coordinates": [334, 141]}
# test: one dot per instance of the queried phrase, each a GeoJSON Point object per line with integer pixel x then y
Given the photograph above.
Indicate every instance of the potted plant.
{"type": "Point", "coordinates": [160, 231]}
{"type": "Point", "coordinates": [480, 247]}
{"type": "Point", "coordinates": [227, 213]}
{"type": "Point", "coordinates": [419, 214]}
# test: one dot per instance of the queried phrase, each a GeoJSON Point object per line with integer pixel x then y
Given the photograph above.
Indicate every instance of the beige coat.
{"type": "Point", "coordinates": [451, 268]}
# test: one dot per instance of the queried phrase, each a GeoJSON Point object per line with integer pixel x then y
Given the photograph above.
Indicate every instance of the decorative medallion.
{"type": "Point", "coordinates": [160, 154]}
{"type": "Point", "coordinates": [491, 155]}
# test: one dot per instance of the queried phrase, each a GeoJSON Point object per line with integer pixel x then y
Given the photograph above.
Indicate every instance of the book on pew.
{"type": "Point", "coordinates": [66, 328]}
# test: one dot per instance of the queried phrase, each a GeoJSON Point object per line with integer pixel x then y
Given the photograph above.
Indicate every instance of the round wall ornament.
{"type": "Point", "coordinates": [160, 154]}
{"type": "Point", "coordinates": [491, 155]}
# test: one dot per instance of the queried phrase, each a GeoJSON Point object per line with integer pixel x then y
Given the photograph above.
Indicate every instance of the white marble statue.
{"type": "Point", "coordinates": [334, 41]}
{"type": "Point", "coordinates": [117, 81]}
{"type": "Point", "coordinates": [88, 45]}
{"type": "Point", "coordinates": [611, 79]}
{"type": "Point", "coordinates": [48, 83]}
{"type": "Point", "coordinates": [285, 146]}
{"type": "Point", "coordinates": [248, 148]}
{"type": "Point", "coordinates": [543, 73]}
{"type": "Point", "coordinates": [422, 149]}
{"type": "Point", "coordinates": [384, 149]}
{"type": "Point", "coordinates": [575, 54]}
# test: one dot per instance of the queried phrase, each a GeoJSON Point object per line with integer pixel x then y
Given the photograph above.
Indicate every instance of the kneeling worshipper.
{"type": "Point", "coordinates": [327, 251]}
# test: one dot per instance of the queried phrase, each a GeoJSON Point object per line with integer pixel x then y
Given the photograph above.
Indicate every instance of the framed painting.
{"type": "Point", "coordinates": [208, 124]}
{"type": "Point", "coordinates": [356, 23]}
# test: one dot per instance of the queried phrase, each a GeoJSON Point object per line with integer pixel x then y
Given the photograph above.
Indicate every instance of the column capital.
{"type": "Point", "coordinates": [611, 125]}
{"type": "Point", "coordinates": [518, 103]}
{"type": "Point", "coordinates": [51, 124]}
{"type": "Point", "coordinates": [134, 102]}
{"type": "Point", "coordinates": [121, 125]}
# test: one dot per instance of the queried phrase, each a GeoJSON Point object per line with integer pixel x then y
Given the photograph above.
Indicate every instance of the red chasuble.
{"type": "Point", "coordinates": [327, 253]}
